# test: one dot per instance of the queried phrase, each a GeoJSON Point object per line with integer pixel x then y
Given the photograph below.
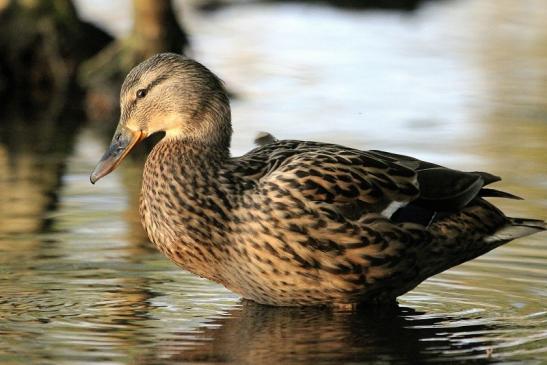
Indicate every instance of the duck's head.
{"type": "Point", "coordinates": [173, 94]}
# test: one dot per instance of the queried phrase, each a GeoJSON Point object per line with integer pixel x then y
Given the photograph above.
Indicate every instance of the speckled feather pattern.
{"type": "Point", "coordinates": [293, 222]}
{"type": "Point", "coordinates": [278, 225]}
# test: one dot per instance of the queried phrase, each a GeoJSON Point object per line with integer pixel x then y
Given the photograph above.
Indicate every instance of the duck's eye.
{"type": "Point", "coordinates": [141, 93]}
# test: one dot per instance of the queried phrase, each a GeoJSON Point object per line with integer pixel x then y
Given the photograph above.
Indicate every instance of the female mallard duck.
{"type": "Point", "coordinates": [293, 222]}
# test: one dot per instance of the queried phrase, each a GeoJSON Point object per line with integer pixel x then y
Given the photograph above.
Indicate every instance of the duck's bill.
{"type": "Point", "coordinates": [123, 142]}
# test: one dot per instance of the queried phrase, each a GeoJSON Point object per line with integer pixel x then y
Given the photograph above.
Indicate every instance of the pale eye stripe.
{"type": "Point", "coordinates": [131, 104]}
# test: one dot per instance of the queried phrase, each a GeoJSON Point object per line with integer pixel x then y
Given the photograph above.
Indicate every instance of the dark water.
{"type": "Point", "coordinates": [463, 83]}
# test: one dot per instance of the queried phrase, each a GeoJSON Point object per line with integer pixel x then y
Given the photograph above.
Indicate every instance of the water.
{"type": "Point", "coordinates": [462, 83]}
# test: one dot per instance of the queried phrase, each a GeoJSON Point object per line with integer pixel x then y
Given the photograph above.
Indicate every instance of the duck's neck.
{"type": "Point", "coordinates": [205, 136]}
{"type": "Point", "coordinates": [187, 169]}
{"type": "Point", "coordinates": [206, 131]}
{"type": "Point", "coordinates": [191, 152]}
{"type": "Point", "coordinates": [184, 206]}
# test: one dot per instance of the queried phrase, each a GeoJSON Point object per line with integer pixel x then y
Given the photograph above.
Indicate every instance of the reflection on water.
{"type": "Point", "coordinates": [32, 161]}
{"type": "Point", "coordinates": [459, 82]}
{"type": "Point", "coordinates": [253, 334]}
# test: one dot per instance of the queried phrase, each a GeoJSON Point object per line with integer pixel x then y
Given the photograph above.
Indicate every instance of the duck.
{"type": "Point", "coordinates": [293, 223]}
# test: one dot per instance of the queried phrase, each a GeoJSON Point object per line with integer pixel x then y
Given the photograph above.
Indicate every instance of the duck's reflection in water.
{"type": "Point", "coordinates": [255, 334]}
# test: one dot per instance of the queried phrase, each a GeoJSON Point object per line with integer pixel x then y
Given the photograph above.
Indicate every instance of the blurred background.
{"type": "Point", "coordinates": [459, 82]}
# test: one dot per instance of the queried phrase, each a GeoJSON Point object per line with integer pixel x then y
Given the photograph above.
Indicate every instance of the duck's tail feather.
{"type": "Point", "coordinates": [516, 228]}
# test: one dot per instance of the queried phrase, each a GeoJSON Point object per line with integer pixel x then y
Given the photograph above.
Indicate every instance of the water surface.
{"type": "Point", "coordinates": [462, 83]}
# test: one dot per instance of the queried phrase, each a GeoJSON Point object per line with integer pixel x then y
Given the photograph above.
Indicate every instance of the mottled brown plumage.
{"type": "Point", "coordinates": [294, 222]}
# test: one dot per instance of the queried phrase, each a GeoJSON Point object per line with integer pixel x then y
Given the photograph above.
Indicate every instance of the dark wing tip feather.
{"type": "Point", "coordinates": [488, 178]}
{"type": "Point", "coordinates": [493, 193]}
{"type": "Point", "coordinates": [445, 189]}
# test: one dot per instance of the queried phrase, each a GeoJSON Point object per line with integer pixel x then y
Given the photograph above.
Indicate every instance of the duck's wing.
{"type": "Point", "coordinates": [351, 182]}
{"type": "Point", "coordinates": [442, 190]}
{"type": "Point", "coordinates": [347, 181]}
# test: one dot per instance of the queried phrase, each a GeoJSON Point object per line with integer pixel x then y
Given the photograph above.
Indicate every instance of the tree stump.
{"type": "Point", "coordinates": [43, 42]}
